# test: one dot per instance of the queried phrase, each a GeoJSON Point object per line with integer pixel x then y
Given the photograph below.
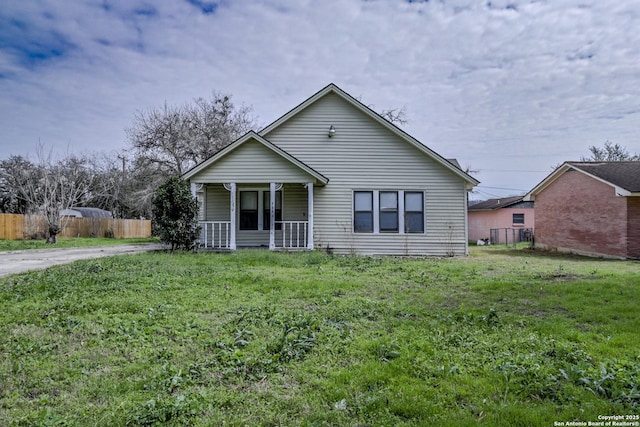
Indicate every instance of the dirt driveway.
{"type": "Point", "coordinates": [20, 261]}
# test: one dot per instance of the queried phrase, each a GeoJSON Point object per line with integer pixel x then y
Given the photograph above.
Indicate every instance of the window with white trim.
{"type": "Point", "coordinates": [363, 211]}
{"type": "Point", "coordinates": [413, 212]}
{"type": "Point", "coordinates": [384, 211]}
{"type": "Point", "coordinates": [248, 210]}
{"type": "Point", "coordinates": [266, 221]}
{"type": "Point", "coordinates": [388, 211]}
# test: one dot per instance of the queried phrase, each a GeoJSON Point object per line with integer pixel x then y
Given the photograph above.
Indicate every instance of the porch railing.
{"type": "Point", "coordinates": [294, 234]}
{"type": "Point", "coordinates": [215, 234]}
{"type": "Point", "coordinates": [289, 234]}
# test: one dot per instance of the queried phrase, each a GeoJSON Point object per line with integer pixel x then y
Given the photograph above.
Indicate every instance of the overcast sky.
{"type": "Point", "coordinates": [508, 87]}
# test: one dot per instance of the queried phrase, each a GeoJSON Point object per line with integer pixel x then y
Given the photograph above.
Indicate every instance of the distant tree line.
{"type": "Point", "coordinates": [610, 152]}
{"type": "Point", "coordinates": [161, 143]}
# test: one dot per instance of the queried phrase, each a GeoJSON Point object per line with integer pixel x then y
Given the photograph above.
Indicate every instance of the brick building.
{"type": "Point", "coordinates": [503, 220]}
{"type": "Point", "coordinates": [589, 208]}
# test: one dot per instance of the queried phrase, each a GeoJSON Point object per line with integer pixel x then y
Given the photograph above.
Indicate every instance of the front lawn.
{"type": "Point", "coordinates": [506, 338]}
{"type": "Point", "coordinates": [70, 242]}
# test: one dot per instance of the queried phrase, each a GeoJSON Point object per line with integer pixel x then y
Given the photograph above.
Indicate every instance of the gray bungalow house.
{"type": "Point", "coordinates": [332, 174]}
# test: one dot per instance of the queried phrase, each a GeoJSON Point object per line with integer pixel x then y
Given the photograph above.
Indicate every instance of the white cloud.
{"type": "Point", "coordinates": [501, 85]}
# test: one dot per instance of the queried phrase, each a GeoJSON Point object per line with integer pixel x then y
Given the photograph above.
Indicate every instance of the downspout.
{"type": "Point", "coordinates": [466, 220]}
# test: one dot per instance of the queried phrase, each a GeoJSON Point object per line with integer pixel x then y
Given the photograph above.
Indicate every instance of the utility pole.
{"type": "Point", "coordinates": [124, 159]}
{"type": "Point", "coordinates": [120, 193]}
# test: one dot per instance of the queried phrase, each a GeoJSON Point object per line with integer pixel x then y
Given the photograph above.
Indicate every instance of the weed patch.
{"type": "Point", "coordinates": [262, 338]}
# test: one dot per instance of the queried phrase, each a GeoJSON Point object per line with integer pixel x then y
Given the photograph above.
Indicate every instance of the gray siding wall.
{"type": "Point", "coordinates": [218, 203]}
{"type": "Point", "coordinates": [294, 202]}
{"type": "Point", "coordinates": [252, 162]}
{"type": "Point", "coordinates": [363, 155]}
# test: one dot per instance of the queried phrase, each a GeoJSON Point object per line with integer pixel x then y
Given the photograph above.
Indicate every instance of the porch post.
{"type": "Point", "coordinates": [272, 215]}
{"type": "Point", "coordinates": [310, 215]}
{"type": "Point", "coordinates": [232, 232]}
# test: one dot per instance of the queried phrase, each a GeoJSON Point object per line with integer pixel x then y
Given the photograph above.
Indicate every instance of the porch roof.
{"type": "Point", "coordinates": [252, 136]}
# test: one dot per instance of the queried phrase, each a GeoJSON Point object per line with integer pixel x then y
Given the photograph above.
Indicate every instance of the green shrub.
{"type": "Point", "coordinates": [175, 212]}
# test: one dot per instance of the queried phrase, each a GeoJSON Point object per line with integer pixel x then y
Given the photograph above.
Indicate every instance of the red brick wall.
{"type": "Point", "coordinates": [633, 227]}
{"type": "Point", "coordinates": [580, 214]}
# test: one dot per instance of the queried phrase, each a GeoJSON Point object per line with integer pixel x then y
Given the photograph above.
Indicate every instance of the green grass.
{"type": "Point", "coordinates": [513, 338]}
{"type": "Point", "coordinates": [69, 242]}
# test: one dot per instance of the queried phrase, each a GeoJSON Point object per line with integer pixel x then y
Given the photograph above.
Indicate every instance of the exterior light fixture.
{"type": "Point", "coordinates": [332, 131]}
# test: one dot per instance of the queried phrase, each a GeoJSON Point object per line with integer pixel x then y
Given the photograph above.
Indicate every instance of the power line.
{"type": "Point", "coordinates": [512, 170]}
{"type": "Point", "coordinates": [485, 194]}
{"type": "Point", "coordinates": [501, 188]}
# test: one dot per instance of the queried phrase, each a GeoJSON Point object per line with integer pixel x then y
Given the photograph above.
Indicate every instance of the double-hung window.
{"type": "Point", "coordinates": [248, 210]}
{"type": "Point", "coordinates": [389, 211]}
{"type": "Point", "coordinates": [383, 211]}
{"type": "Point", "coordinates": [363, 211]}
{"type": "Point", "coordinates": [413, 212]}
{"type": "Point", "coordinates": [266, 216]}
{"type": "Point", "coordinates": [252, 203]}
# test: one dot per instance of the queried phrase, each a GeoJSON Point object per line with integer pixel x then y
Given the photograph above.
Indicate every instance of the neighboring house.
{"type": "Point", "coordinates": [332, 174]}
{"type": "Point", "coordinates": [78, 212]}
{"type": "Point", "coordinates": [590, 208]}
{"type": "Point", "coordinates": [511, 216]}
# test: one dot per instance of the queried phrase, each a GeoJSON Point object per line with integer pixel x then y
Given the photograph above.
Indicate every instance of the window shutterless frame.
{"type": "Point", "coordinates": [413, 212]}
{"type": "Point", "coordinates": [266, 209]}
{"type": "Point", "coordinates": [518, 218]}
{"type": "Point", "coordinates": [248, 210]}
{"type": "Point", "coordinates": [254, 210]}
{"type": "Point", "coordinates": [388, 214]}
{"type": "Point", "coordinates": [389, 211]}
{"type": "Point", "coordinates": [363, 211]}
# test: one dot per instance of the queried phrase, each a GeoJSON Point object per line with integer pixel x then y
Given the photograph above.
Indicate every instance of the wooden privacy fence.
{"type": "Point", "coordinates": [11, 226]}
{"type": "Point", "coordinates": [15, 227]}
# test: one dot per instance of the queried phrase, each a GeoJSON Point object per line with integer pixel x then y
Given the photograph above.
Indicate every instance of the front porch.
{"type": "Point", "coordinates": [289, 235]}
{"type": "Point", "coordinates": [249, 215]}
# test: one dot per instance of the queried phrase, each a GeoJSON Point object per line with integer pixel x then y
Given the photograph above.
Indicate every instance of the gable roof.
{"type": "Point", "coordinates": [623, 176]}
{"type": "Point", "coordinates": [455, 163]}
{"type": "Point", "coordinates": [492, 204]}
{"type": "Point", "coordinates": [332, 88]}
{"type": "Point", "coordinates": [253, 136]}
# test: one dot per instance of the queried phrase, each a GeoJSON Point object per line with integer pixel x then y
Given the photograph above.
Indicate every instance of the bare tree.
{"type": "Point", "coordinates": [610, 153]}
{"type": "Point", "coordinates": [396, 115]}
{"type": "Point", "coordinates": [140, 186]}
{"type": "Point", "coordinates": [170, 140]}
{"type": "Point", "coordinates": [52, 186]}
{"type": "Point", "coordinates": [108, 183]}
{"type": "Point", "coordinates": [173, 139]}
{"type": "Point", "coordinates": [216, 122]}
{"type": "Point", "coordinates": [160, 137]}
